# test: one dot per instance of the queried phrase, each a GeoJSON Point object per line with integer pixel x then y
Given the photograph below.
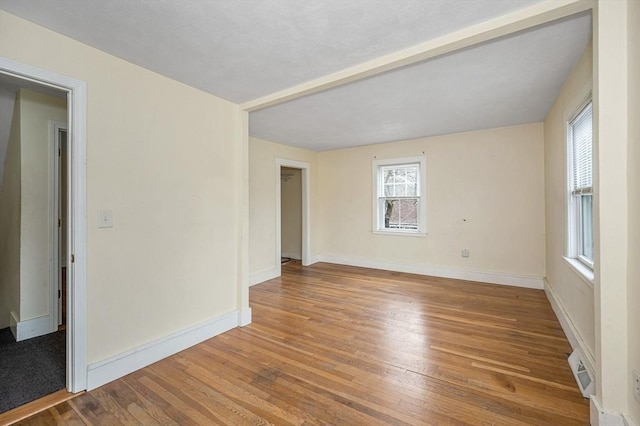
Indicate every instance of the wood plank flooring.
{"type": "Point", "coordinates": [339, 345]}
{"type": "Point", "coordinates": [26, 410]}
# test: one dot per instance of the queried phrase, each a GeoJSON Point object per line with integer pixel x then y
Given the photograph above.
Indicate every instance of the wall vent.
{"type": "Point", "coordinates": [581, 373]}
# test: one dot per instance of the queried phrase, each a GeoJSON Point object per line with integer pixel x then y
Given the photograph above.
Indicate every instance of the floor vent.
{"type": "Point", "coordinates": [583, 376]}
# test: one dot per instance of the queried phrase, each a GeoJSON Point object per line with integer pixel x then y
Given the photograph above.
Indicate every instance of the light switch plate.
{"type": "Point", "coordinates": [105, 219]}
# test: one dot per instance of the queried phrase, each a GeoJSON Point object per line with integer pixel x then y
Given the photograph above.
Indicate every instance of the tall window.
{"type": "Point", "coordinates": [399, 195]}
{"type": "Point", "coordinates": [580, 167]}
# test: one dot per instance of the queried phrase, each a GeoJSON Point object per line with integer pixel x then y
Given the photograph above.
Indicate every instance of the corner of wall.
{"type": "Point", "coordinates": [601, 417]}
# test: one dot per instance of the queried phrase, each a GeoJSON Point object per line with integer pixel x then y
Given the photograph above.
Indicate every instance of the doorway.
{"type": "Point", "coordinates": [60, 222]}
{"type": "Point", "coordinates": [76, 240]}
{"type": "Point", "coordinates": [292, 240]}
{"type": "Point", "coordinates": [290, 214]}
{"type": "Point", "coordinates": [33, 348]}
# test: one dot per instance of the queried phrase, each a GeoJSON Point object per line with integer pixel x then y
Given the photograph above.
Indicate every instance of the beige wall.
{"type": "Point", "coordinates": [262, 209]}
{"type": "Point", "coordinates": [484, 193]}
{"type": "Point", "coordinates": [10, 225]}
{"type": "Point", "coordinates": [291, 213]}
{"type": "Point", "coordinates": [574, 294]}
{"type": "Point", "coordinates": [633, 177]}
{"type": "Point", "coordinates": [36, 110]}
{"type": "Point", "coordinates": [616, 45]}
{"type": "Point", "coordinates": [164, 157]}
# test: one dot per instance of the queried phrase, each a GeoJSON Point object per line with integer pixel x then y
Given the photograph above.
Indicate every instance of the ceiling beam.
{"type": "Point", "coordinates": [537, 14]}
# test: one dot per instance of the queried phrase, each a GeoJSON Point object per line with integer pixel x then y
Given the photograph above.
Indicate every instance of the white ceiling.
{"type": "Point", "coordinates": [245, 49]}
{"type": "Point", "coordinates": [506, 82]}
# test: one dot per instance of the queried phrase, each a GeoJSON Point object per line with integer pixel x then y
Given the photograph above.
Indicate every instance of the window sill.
{"type": "Point", "coordinates": [401, 233]}
{"type": "Point", "coordinates": [581, 269]}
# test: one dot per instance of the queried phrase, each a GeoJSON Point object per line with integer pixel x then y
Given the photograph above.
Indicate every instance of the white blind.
{"type": "Point", "coordinates": [582, 150]}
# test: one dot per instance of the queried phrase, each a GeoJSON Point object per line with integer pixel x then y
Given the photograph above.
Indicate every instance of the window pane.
{"type": "Point", "coordinates": [401, 214]}
{"type": "Point", "coordinates": [412, 175]}
{"type": "Point", "coordinates": [388, 175]}
{"type": "Point", "coordinates": [586, 226]}
{"type": "Point", "coordinates": [409, 214]}
{"type": "Point", "coordinates": [398, 193]}
{"type": "Point", "coordinates": [388, 190]}
{"type": "Point", "coordinates": [391, 214]}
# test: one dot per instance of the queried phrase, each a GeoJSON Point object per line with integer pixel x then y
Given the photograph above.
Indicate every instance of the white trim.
{"type": "Point", "coordinates": [77, 211]}
{"type": "Point", "coordinates": [377, 226]}
{"type": "Point", "coordinates": [244, 317]}
{"type": "Point", "coordinates": [129, 361]}
{"type": "Point", "coordinates": [306, 210]}
{"type": "Point", "coordinates": [31, 328]}
{"type": "Point", "coordinates": [263, 275]}
{"type": "Point", "coordinates": [585, 274]}
{"type": "Point", "coordinates": [578, 103]}
{"type": "Point", "coordinates": [242, 129]}
{"type": "Point", "coordinates": [438, 271]}
{"type": "Point", "coordinates": [401, 233]}
{"type": "Point", "coordinates": [601, 417]}
{"type": "Point", "coordinates": [313, 259]}
{"type": "Point", "coordinates": [573, 335]}
{"type": "Point", "coordinates": [55, 257]}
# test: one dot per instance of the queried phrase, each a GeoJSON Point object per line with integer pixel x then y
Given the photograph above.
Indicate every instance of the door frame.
{"type": "Point", "coordinates": [55, 186]}
{"type": "Point", "coordinates": [77, 211]}
{"type": "Point", "coordinates": [306, 168]}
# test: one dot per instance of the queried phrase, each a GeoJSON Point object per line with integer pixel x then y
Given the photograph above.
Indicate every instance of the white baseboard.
{"type": "Point", "coordinates": [573, 335]}
{"type": "Point", "coordinates": [27, 329]}
{"type": "Point", "coordinates": [127, 362]}
{"type": "Point", "coordinates": [312, 259]}
{"type": "Point", "coordinates": [601, 417]}
{"type": "Point", "coordinates": [437, 271]}
{"type": "Point", "coordinates": [263, 275]}
{"type": "Point", "coordinates": [244, 317]}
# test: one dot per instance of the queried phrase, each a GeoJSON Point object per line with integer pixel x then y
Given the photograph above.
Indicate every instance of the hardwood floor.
{"type": "Point", "coordinates": [26, 410]}
{"type": "Point", "coordinates": [333, 344]}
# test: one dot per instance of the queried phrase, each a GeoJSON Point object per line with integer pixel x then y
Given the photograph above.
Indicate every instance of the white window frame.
{"type": "Point", "coordinates": [378, 213]}
{"type": "Point", "coordinates": [574, 206]}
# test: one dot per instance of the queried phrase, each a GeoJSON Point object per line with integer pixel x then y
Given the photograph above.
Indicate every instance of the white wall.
{"type": "Point", "coordinates": [484, 192]}
{"type": "Point", "coordinates": [165, 158]}
{"type": "Point", "coordinates": [574, 295]}
{"type": "Point", "coordinates": [36, 110]}
{"type": "Point", "coordinates": [10, 225]}
{"type": "Point", "coordinates": [291, 213]}
{"type": "Point", "coordinates": [633, 164]}
{"type": "Point", "coordinates": [262, 209]}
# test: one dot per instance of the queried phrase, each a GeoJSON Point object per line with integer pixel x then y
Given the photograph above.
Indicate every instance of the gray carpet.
{"type": "Point", "coordinates": [30, 369]}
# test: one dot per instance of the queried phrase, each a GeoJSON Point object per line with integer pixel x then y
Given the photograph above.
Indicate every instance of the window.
{"type": "Point", "coordinates": [580, 199]}
{"type": "Point", "coordinates": [399, 201]}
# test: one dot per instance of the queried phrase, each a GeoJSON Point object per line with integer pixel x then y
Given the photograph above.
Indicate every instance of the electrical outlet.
{"type": "Point", "coordinates": [465, 252]}
{"type": "Point", "coordinates": [636, 384]}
